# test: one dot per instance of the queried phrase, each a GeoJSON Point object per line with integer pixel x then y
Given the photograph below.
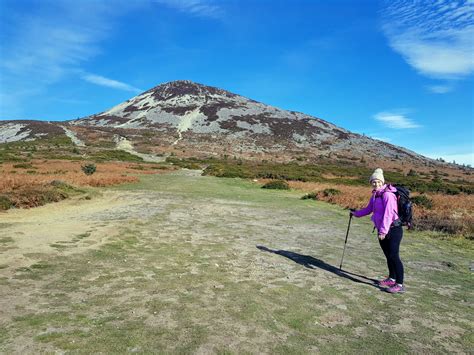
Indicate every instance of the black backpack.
{"type": "Point", "coordinates": [405, 206]}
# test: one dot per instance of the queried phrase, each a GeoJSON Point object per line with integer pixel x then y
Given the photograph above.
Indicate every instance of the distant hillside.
{"type": "Point", "coordinates": [182, 118]}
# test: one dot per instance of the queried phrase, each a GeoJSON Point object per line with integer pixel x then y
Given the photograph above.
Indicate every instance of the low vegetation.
{"type": "Point", "coordinates": [423, 201]}
{"type": "Point", "coordinates": [441, 204]}
{"type": "Point", "coordinates": [453, 215]}
{"type": "Point", "coordinates": [54, 180]}
{"type": "Point", "coordinates": [89, 169]}
{"type": "Point", "coordinates": [114, 155]}
{"type": "Point", "coordinates": [276, 185]}
{"type": "Point", "coordinates": [337, 173]}
{"type": "Point", "coordinates": [39, 195]}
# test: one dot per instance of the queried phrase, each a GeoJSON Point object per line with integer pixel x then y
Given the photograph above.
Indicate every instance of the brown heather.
{"type": "Point", "coordinates": [31, 186]}
{"type": "Point", "coordinates": [450, 214]}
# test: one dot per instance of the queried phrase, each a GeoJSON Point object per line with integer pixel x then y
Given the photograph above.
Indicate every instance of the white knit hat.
{"type": "Point", "coordinates": [377, 175]}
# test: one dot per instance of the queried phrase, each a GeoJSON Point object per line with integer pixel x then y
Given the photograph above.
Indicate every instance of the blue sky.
{"type": "Point", "coordinates": [399, 71]}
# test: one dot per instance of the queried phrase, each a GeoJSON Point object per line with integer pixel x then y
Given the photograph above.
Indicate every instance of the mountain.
{"type": "Point", "coordinates": [184, 118]}
{"type": "Point", "coordinates": [202, 119]}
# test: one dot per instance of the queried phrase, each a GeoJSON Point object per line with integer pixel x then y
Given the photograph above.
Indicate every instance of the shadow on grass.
{"type": "Point", "coordinates": [313, 263]}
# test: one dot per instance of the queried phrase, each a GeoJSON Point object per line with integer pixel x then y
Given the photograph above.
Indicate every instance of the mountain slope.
{"type": "Point", "coordinates": [207, 120]}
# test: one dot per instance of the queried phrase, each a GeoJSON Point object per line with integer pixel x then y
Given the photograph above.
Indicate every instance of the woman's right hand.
{"type": "Point", "coordinates": [351, 211]}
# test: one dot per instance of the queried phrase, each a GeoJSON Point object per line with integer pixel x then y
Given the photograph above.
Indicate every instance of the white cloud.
{"type": "Point", "coordinates": [103, 81]}
{"type": "Point", "coordinates": [435, 38]}
{"type": "Point", "coordinates": [395, 120]}
{"type": "Point", "coordinates": [50, 43]}
{"type": "Point", "coordinates": [440, 89]}
{"type": "Point", "coordinates": [45, 46]}
{"type": "Point", "coordinates": [200, 8]}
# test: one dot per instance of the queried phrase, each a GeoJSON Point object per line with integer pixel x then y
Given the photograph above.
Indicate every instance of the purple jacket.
{"type": "Point", "coordinates": [383, 206]}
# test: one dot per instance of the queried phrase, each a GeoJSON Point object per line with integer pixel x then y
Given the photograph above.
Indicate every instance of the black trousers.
{"type": "Point", "coordinates": [391, 248]}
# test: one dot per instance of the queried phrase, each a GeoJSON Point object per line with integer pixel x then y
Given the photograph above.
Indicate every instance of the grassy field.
{"type": "Point", "coordinates": [184, 263]}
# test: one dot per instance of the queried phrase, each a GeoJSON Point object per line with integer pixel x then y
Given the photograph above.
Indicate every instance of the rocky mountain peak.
{"type": "Point", "coordinates": [203, 118]}
{"type": "Point", "coordinates": [180, 88]}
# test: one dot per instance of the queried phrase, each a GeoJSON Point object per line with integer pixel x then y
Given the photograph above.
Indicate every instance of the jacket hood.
{"type": "Point", "coordinates": [383, 189]}
{"type": "Point", "coordinates": [390, 188]}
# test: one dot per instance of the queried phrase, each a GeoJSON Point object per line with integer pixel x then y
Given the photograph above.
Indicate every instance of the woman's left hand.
{"type": "Point", "coordinates": [381, 236]}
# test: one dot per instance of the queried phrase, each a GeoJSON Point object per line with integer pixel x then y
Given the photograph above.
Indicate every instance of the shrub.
{"type": "Point", "coordinates": [38, 196]}
{"type": "Point", "coordinates": [5, 203]}
{"type": "Point", "coordinates": [423, 201]}
{"type": "Point", "coordinates": [331, 192]}
{"type": "Point", "coordinates": [64, 187]}
{"type": "Point", "coordinates": [412, 173]}
{"type": "Point", "coordinates": [58, 183]}
{"type": "Point", "coordinates": [89, 169]}
{"type": "Point", "coordinates": [138, 167]}
{"type": "Point", "coordinates": [444, 224]}
{"type": "Point", "coordinates": [115, 155]}
{"type": "Point", "coordinates": [453, 190]}
{"type": "Point", "coordinates": [191, 166]}
{"type": "Point", "coordinates": [310, 196]}
{"type": "Point", "coordinates": [276, 185]}
{"type": "Point", "coordinates": [23, 166]}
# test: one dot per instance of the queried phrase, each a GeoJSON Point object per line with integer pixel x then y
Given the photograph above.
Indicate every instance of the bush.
{"type": "Point", "coordinates": [58, 183]}
{"type": "Point", "coordinates": [276, 185]}
{"type": "Point", "coordinates": [331, 192]}
{"type": "Point", "coordinates": [191, 166]}
{"type": "Point", "coordinates": [412, 173]}
{"type": "Point", "coordinates": [422, 201]}
{"type": "Point", "coordinates": [444, 224]}
{"type": "Point", "coordinates": [115, 155]}
{"type": "Point", "coordinates": [24, 166]}
{"type": "Point", "coordinates": [310, 196]}
{"type": "Point", "coordinates": [89, 169]}
{"type": "Point", "coordinates": [454, 190]}
{"type": "Point", "coordinates": [5, 203]}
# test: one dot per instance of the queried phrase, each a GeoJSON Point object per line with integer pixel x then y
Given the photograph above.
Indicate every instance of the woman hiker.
{"type": "Point", "coordinates": [383, 206]}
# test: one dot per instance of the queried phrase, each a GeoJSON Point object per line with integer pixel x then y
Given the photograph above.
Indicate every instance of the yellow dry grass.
{"type": "Point", "coordinates": [453, 214]}
{"type": "Point", "coordinates": [43, 172]}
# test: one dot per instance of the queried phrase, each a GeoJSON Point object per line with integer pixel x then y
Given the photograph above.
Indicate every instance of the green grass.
{"type": "Point", "coordinates": [55, 147]}
{"type": "Point", "coordinates": [190, 278]}
{"type": "Point", "coordinates": [114, 155]}
{"type": "Point", "coordinates": [347, 174]}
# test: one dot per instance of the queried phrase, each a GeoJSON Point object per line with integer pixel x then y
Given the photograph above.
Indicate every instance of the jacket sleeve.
{"type": "Point", "coordinates": [390, 213]}
{"type": "Point", "coordinates": [367, 210]}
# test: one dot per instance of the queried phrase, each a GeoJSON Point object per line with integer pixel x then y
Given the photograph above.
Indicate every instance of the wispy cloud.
{"type": "Point", "coordinates": [103, 81]}
{"type": "Point", "coordinates": [50, 43]}
{"type": "Point", "coordinates": [395, 120]}
{"type": "Point", "coordinates": [200, 8]}
{"type": "Point", "coordinates": [46, 45]}
{"type": "Point", "coordinates": [434, 37]}
{"type": "Point", "coordinates": [440, 89]}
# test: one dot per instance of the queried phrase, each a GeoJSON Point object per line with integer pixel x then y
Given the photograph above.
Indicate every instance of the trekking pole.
{"type": "Point", "coordinates": [347, 234]}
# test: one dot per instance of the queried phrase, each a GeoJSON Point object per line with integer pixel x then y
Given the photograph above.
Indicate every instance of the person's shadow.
{"type": "Point", "coordinates": [313, 263]}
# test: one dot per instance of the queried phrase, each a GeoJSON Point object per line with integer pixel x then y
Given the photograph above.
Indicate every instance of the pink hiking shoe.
{"type": "Point", "coordinates": [396, 289]}
{"type": "Point", "coordinates": [388, 282]}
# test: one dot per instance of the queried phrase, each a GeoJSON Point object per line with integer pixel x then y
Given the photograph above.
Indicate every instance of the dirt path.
{"type": "Point", "coordinates": [124, 144]}
{"type": "Point", "coordinates": [192, 264]}
{"type": "Point", "coordinates": [70, 226]}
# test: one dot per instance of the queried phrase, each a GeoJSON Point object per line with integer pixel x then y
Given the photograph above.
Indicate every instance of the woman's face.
{"type": "Point", "coordinates": [376, 184]}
